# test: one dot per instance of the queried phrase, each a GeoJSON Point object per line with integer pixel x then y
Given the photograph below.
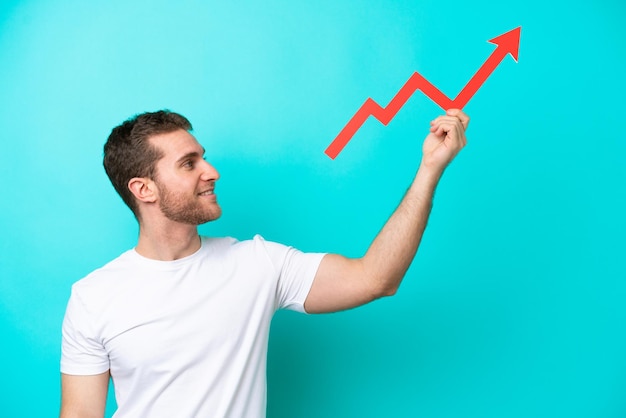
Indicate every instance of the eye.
{"type": "Point", "coordinates": [188, 164]}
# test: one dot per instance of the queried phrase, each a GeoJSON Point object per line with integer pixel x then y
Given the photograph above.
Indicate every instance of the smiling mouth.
{"type": "Point", "coordinates": [207, 193]}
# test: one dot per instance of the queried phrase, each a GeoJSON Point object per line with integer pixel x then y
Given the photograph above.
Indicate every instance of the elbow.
{"type": "Point", "coordinates": [385, 289]}
{"type": "Point", "coordinates": [390, 291]}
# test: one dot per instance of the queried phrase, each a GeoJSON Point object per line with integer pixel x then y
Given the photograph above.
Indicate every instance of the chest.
{"type": "Point", "coordinates": [185, 317]}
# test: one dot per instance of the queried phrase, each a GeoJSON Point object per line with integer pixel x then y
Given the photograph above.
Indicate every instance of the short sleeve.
{"type": "Point", "coordinates": [296, 271]}
{"type": "Point", "coordinates": [81, 351]}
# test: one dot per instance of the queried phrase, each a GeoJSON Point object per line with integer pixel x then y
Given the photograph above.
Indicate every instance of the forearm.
{"type": "Point", "coordinates": [392, 251]}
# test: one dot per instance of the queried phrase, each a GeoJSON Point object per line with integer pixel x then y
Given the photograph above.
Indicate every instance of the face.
{"type": "Point", "coordinates": [185, 181]}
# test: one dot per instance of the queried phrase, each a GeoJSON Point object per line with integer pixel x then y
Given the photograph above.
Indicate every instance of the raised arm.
{"type": "Point", "coordinates": [343, 283]}
{"type": "Point", "coordinates": [84, 396]}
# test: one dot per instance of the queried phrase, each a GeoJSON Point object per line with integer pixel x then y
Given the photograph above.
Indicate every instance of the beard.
{"type": "Point", "coordinates": [180, 207]}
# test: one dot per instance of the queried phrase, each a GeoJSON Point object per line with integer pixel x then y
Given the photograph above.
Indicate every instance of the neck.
{"type": "Point", "coordinates": [167, 242]}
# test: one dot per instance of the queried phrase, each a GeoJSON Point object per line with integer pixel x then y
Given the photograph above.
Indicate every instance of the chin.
{"type": "Point", "coordinates": [213, 216]}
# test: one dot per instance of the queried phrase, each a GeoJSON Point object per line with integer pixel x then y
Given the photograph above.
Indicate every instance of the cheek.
{"type": "Point", "coordinates": [175, 182]}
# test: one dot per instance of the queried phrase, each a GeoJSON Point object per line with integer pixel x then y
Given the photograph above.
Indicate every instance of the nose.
{"type": "Point", "coordinates": [209, 173]}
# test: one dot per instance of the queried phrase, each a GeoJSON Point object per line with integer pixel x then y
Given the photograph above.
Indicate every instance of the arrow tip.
{"type": "Point", "coordinates": [509, 42]}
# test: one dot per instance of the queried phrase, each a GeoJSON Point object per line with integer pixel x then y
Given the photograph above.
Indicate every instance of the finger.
{"type": "Point", "coordinates": [441, 119]}
{"type": "Point", "coordinates": [451, 130]}
{"type": "Point", "coordinates": [448, 120]}
{"type": "Point", "coordinates": [447, 128]}
{"type": "Point", "coordinates": [462, 118]}
{"type": "Point", "coordinates": [459, 114]}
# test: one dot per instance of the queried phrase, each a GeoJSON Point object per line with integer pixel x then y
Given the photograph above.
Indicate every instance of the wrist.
{"type": "Point", "coordinates": [425, 182]}
{"type": "Point", "coordinates": [429, 174]}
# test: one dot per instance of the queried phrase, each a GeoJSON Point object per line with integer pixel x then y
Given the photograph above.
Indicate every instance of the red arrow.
{"type": "Point", "coordinates": [507, 43]}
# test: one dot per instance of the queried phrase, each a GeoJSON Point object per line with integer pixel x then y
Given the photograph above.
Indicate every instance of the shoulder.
{"type": "Point", "coordinates": [255, 244]}
{"type": "Point", "coordinates": [103, 282]}
{"type": "Point", "coordinates": [110, 269]}
{"type": "Point", "coordinates": [256, 251]}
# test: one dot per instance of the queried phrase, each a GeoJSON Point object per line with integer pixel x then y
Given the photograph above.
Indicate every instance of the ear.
{"type": "Point", "coordinates": [143, 188]}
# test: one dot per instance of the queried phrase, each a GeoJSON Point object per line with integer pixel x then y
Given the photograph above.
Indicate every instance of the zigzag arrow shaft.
{"type": "Point", "coordinates": [508, 43]}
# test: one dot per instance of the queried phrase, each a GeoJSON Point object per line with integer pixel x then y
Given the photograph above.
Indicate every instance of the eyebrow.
{"type": "Point", "coordinates": [192, 154]}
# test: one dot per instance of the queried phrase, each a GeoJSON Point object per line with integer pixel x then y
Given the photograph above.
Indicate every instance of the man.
{"type": "Point", "coordinates": [181, 322]}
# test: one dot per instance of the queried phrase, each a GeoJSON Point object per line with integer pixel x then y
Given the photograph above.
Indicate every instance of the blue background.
{"type": "Point", "coordinates": [514, 306]}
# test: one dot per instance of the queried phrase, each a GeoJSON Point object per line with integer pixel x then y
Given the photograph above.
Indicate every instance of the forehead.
{"type": "Point", "coordinates": [175, 144]}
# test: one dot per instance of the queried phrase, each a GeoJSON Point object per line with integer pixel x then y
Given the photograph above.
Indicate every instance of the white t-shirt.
{"type": "Point", "coordinates": [185, 338]}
